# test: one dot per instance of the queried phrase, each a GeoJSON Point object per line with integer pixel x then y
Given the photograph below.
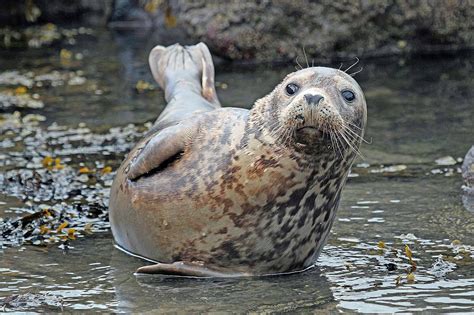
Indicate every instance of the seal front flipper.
{"type": "Point", "coordinates": [161, 149]}
{"type": "Point", "coordinates": [188, 269]}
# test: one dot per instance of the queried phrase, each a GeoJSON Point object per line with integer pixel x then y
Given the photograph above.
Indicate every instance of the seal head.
{"type": "Point", "coordinates": [315, 109]}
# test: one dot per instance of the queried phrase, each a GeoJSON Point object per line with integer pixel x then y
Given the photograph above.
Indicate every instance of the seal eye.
{"type": "Point", "coordinates": [292, 88]}
{"type": "Point", "coordinates": [348, 95]}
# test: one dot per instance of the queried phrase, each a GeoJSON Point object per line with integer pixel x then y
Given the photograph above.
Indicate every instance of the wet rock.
{"type": "Point", "coordinates": [53, 79]}
{"type": "Point", "coordinates": [270, 31]}
{"type": "Point", "coordinates": [19, 101]}
{"type": "Point", "coordinates": [40, 36]}
{"type": "Point", "coordinates": [22, 89]}
{"type": "Point", "coordinates": [390, 169]}
{"type": "Point", "coordinates": [30, 301]}
{"type": "Point", "coordinates": [16, 12]}
{"type": "Point", "coordinates": [266, 30]}
{"type": "Point", "coordinates": [446, 161]}
{"type": "Point", "coordinates": [77, 81]}
{"type": "Point", "coordinates": [16, 78]}
{"type": "Point", "coordinates": [468, 176]}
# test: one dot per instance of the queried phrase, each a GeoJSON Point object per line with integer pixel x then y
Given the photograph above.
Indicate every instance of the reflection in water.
{"type": "Point", "coordinates": [101, 280]}
{"type": "Point", "coordinates": [419, 111]}
{"type": "Point", "coordinates": [239, 295]}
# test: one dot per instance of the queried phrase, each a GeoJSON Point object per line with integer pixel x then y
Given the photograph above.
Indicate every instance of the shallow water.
{"type": "Point", "coordinates": [419, 111]}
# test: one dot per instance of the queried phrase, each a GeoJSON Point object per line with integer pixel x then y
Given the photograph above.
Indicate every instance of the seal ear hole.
{"type": "Point", "coordinates": [164, 165]}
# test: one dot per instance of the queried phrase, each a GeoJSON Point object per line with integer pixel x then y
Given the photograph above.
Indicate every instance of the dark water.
{"type": "Point", "coordinates": [419, 110]}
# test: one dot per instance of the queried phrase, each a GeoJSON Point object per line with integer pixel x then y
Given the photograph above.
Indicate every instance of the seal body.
{"type": "Point", "coordinates": [214, 191]}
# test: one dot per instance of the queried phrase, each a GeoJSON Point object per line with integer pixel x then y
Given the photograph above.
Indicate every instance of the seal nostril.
{"type": "Point", "coordinates": [313, 99]}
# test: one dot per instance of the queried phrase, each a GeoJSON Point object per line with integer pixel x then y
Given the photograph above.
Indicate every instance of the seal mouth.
{"type": "Point", "coordinates": [308, 128]}
{"type": "Point", "coordinates": [311, 134]}
{"type": "Point", "coordinates": [308, 134]}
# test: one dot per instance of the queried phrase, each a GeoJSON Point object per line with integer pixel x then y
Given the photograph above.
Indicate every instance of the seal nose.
{"type": "Point", "coordinates": [312, 99]}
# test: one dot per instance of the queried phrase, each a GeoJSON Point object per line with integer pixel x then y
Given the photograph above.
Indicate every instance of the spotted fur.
{"type": "Point", "coordinates": [241, 197]}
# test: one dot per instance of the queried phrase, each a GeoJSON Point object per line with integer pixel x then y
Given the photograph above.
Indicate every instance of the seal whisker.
{"type": "Point", "coordinates": [276, 132]}
{"type": "Point", "coordinates": [334, 133]}
{"type": "Point", "coordinates": [344, 139]}
{"type": "Point", "coordinates": [289, 134]}
{"type": "Point", "coordinates": [276, 126]}
{"type": "Point", "coordinates": [353, 139]}
{"type": "Point", "coordinates": [282, 134]}
{"type": "Point", "coordinates": [298, 63]}
{"type": "Point", "coordinates": [356, 134]}
{"type": "Point", "coordinates": [306, 58]}
{"type": "Point", "coordinates": [350, 136]}
{"type": "Point", "coordinates": [349, 125]}
{"type": "Point", "coordinates": [352, 133]}
{"type": "Point", "coordinates": [355, 126]}
{"type": "Point", "coordinates": [340, 66]}
{"type": "Point", "coordinates": [354, 73]}
{"type": "Point", "coordinates": [341, 143]}
{"type": "Point", "coordinates": [352, 65]}
{"type": "Point", "coordinates": [332, 143]}
{"type": "Point", "coordinates": [343, 135]}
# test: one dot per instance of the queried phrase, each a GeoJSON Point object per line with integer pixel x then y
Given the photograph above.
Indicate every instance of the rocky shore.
{"type": "Point", "coordinates": [272, 31]}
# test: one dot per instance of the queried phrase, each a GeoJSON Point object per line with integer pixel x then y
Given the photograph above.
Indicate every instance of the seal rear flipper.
{"type": "Point", "coordinates": [189, 64]}
{"type": "Point", "coordinates": [188, 269]}
{"type": "Point", "coordinates": [208, 85]}
{"type": "Point", "coordinates": [154, 61]}
{"type": "Point", "coordinates": [161, 149]}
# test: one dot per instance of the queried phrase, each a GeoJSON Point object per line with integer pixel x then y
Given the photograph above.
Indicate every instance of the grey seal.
{"type": "Point", "coordinates": [224, 192]}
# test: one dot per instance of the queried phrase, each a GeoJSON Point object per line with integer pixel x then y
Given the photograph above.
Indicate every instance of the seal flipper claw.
{"type": "Point", "coordinates": [181, 268]}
